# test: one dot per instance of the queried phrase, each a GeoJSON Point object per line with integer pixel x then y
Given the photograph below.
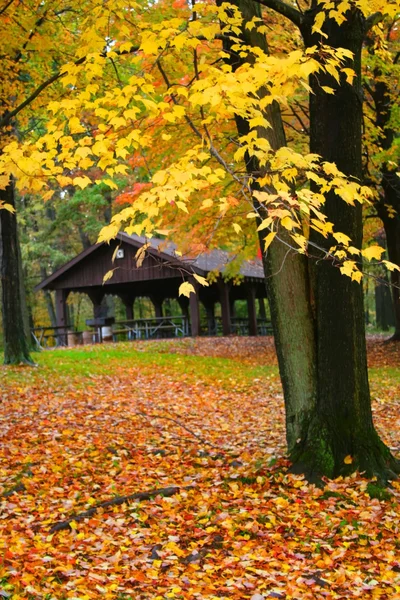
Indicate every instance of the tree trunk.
{"type": "Point", "coordinates": [287, 280]}
{"type": "Point", "coordinates": [49, 300]}
{"type": "Point", "coordinates": [341, 437]}
{"type": "Point", "coordinates": [391, 191]}
{"type": "Point", "coordinates": [391, 184]}
{"type": "Point", "coordinates": [16, 346]}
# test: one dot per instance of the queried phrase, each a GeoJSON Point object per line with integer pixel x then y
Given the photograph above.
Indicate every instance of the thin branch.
{"type": "Point", "coordinates": [117, 501]}
{"type": "Point", "coordinates": [8, 116]}
{"type": "Point", "coordinates": [372, 21]}
{"type": "Point", "coordinates": [284, 9]}
{"type": "Point", "coordinates": [196, 435]}
{"type": "Point", "coordinates": [2, 10]}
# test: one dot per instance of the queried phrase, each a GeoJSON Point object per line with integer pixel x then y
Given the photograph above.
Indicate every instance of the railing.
{"type": "Point", "coordinates": [48, 337]}
{"type": "Point", "coordinates": [239, 326]}
{"type": "Point", "coordinates": [146, 329]}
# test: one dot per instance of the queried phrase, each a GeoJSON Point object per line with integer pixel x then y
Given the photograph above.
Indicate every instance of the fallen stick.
{"type": "Point", "coordinates": [117, 501]}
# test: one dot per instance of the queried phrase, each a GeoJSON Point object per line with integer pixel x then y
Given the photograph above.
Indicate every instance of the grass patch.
{"type": "Point", "coordinates": [83, 364]}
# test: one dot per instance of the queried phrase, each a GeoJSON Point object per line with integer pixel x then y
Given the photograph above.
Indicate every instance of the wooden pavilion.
{"type": "Point", "coordinates": [158, 278]}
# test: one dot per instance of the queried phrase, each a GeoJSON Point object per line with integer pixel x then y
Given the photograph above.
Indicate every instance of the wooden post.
{"type": "Point", "coordinates": [194, 309]}
{"type": "Point", "coordinates": [261, 308]}
{"type": "Point", "coordinates": [225, 307]}
{"type": "Point", "coordinates": [210, 310]}
{"type": "Point", "coordinates": [61, 308]}
{"type": "Point", "coordinates": [251, 310]}
{"type": "Point", "coordinates": [129, 302]}
{"type": "Point", "coordinates": [157, 303]}
{"type": "Point", "coordinates": [61, 316]}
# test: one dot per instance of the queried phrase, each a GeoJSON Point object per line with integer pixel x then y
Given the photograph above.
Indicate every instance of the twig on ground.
{"type": "Point", "coordinates": [196, 435]}
{"type": "Point", "coordinates": [117, 501]}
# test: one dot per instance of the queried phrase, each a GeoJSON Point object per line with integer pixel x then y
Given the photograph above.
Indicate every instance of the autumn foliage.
{"type": "Point", "coordinates": [94, 425]}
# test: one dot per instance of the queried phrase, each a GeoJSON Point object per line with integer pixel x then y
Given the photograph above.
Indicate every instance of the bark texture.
{"type": "Point", "coordinates": [286, 276]}
{"type": "Point", "coordinates": [390, 183]}
{"type": "Point", "coordinates": [321, 342]}
{"type": "Point", "coordinates": [16, 346]}
{"type": "Point", "coordinates": [342, 425]}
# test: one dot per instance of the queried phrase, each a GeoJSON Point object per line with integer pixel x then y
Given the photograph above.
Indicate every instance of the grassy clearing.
{"type": "Point", "coordinates": [82, 364]}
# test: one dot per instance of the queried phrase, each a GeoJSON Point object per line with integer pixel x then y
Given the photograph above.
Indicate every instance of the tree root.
{"type": "Point", "coordinates": [117, 501]}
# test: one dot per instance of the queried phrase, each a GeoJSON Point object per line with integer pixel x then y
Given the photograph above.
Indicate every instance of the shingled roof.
{"type": "Point", "coordinates": [213, 260]}
{"type": "Point", "coordinates": [164, 250]}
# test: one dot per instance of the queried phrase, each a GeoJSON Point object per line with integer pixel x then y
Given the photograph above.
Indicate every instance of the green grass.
{"type": "Point", "coordinates": [85, 363]}
{"type": "Point", "coordinates": [81, 366]}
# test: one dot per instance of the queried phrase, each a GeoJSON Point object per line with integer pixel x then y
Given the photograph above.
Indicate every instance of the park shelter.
{"type": "Point", "coordinates": [158, 277]}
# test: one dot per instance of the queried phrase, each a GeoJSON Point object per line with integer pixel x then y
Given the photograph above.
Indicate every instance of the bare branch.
{"type": "Point", "coordinates": [284, 9]}
{"type": "Point", "coordinates": [2, 10]}
{"type": "Point", "coordinates": [373, 20]}
{"type": "Point", "coordinates": [8, 116]}
{"type": "Point", "coordinates": [153, 416]}
{"type": "Point", "coordinates": [117, 501]}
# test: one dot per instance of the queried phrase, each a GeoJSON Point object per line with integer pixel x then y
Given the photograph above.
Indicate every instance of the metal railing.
{"type": "Point", "coordinates": [147, 329]}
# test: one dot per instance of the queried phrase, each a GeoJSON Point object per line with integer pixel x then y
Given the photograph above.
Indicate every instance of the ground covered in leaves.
{"type": "Point", "coordinates": [203, 421]}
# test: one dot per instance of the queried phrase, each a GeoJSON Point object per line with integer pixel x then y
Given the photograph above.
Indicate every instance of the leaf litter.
{"type": "Point", "coordinates": [172, 484]}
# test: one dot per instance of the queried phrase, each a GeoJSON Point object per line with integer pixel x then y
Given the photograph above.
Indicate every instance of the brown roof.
{"type": "Point", "coordinates": [214, 260]}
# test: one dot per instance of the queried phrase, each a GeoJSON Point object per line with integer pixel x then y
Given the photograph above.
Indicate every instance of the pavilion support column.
{"type": "Point", "coordinates": [225, 307]}
{"type": "Point", "coordinates": [62, 316]}
{"type": "Point", "coordinates": [194, 308]}
{"type": "Point", "coordinates": [210, 311]}
{"type": "Point", "coordinates": [184, 304]}
{"type": "Point", "coordinates": [129, 302]}
{"type": "Point", "coordinates": [96, 298]}
{"type": "Point", "coordinates": [251, 310]}
{"type": "Point", "coordinates": [157, 302]}
{"type": "Point", "coordinates": [261, 308]}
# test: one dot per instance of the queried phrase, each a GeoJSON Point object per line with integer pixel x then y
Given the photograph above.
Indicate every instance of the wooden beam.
{"type": "Point", "coordinates": [225, 306]}
{"type": "Point", "coordinates": [194, 309]}
{"type": "Point", "coordinates": [251, 309]}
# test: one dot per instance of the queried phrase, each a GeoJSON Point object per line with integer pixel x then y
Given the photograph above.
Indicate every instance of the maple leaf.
{"type": "Point", "coordinates": [186, 288]}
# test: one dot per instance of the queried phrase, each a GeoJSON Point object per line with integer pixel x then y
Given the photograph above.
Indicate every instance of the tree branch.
{"type": "Point", "coordinates": [2, 10]}
{"type": "Point", "coordinates": [117, 501]}
{"type": "Point", "coordinates": [373, 20]}
{"type": "Point", "coordinates": [8, 116]}
{"type": "Point", "coordinates": [284, 9]}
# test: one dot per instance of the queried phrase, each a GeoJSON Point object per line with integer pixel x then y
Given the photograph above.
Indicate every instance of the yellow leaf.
{"type": "Point", "coordinates": [373, 252]}
{"type": "Point", "coordinates": [264, 224]}
{"type": "Point", "coordinates": [342, 238]}
{"type": "Point", "coordinates": [348, 460]}
{"type": "Point", "coordinates": [182, 206]}
{"type": "Point", "coordinates": [108, 275]}
{"type": "Point", "coordinates": [327, 89]}
{"type": "Point", "coordinates": [82, 182]}
{"type": "Point", "coordinates": [350, 74]}
{"type": "Point", "coordinates": [8, 207]}
{"type": "Point", "coordinates": [186, 288]}
{"type": "Point", "coordinates": [349, 266]}
{"type": "Point", "coordinates": [200, 279]}
{"type": "Point", "coordinates": [108, 233]}
{"type": "Point", "coordinates": [206, 203]}
{"type": "Point", "coordinates": [391, 266]}
{"type": "Point", "coordinates": [237, 227]}
{"type": "Point", "coordinates": [268, 239]}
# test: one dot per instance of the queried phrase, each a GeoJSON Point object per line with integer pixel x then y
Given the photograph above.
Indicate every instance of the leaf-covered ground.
{"type": "Point", "coordinates": [205, 420]}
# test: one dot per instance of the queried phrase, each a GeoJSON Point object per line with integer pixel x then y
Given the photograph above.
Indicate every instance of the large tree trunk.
{"type": "Point", "coordinates": [287, 280]}
{"type": "Point", "coordinates": [16, 346]}
{"type": "Point", "coordinates": [341, 436]}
